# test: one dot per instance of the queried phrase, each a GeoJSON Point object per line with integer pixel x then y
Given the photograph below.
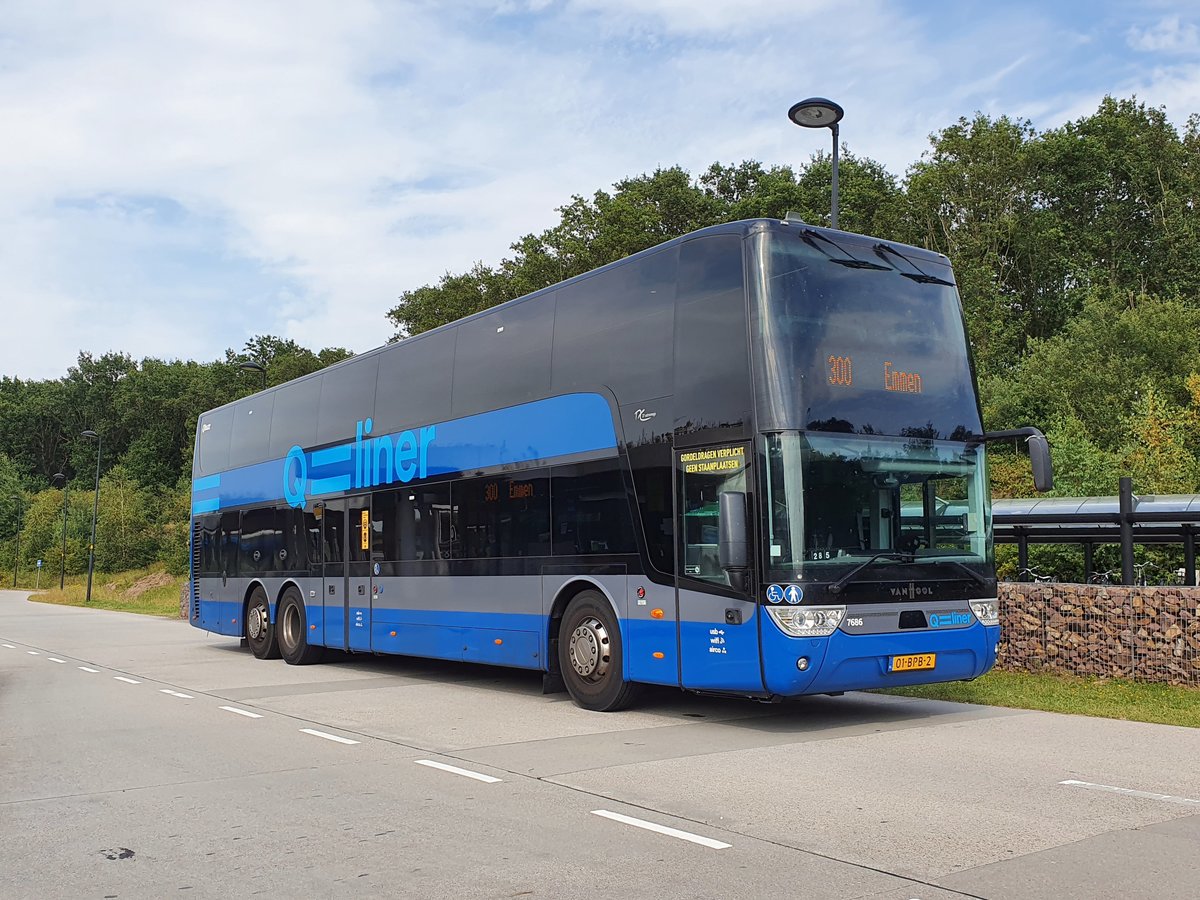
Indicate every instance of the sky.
{"type": "Point", "coordinates": [176, 178]}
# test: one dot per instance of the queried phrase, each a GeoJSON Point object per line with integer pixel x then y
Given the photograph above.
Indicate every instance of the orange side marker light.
{"type": "Point", "coordinates": [656, 613]}
{"type": "Point", "coordinates": [658, 654]}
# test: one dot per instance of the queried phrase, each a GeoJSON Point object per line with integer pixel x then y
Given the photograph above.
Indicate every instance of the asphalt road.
{"type": "Point", "coordinates": [142, 758]}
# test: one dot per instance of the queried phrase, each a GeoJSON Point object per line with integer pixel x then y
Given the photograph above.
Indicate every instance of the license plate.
{"type": "Point", "coordinates": [912, 662]}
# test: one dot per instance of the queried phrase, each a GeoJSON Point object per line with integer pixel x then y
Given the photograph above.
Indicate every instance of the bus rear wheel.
{"type": "Point", "coordinates": [260, 632]}
{"type": "Point", "coordinates": [291, 626]}
{"type": "Point", "coordinates": [590, 656]}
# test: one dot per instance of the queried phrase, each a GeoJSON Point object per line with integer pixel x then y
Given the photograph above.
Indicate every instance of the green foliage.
{"type": "Point", "coordinates": [1096, 368]}
{"type": "Point", "coordinates": [145, 413]}
{"type": "Point", "coordinates": [1074, 248]}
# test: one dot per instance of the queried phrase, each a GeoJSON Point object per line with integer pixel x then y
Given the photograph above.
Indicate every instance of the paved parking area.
{"type": "Point", "coordinates": [142, 758]}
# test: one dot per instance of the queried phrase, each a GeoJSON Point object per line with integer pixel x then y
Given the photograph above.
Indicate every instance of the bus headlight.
{"type": "Point", "coordinates": [807, 621]}
{"type": "Point", "coordinates": [986, 611]}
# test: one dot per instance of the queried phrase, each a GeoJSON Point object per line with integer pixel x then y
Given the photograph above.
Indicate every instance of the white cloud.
{"type": "Point", "coordinates": [1170, 35]}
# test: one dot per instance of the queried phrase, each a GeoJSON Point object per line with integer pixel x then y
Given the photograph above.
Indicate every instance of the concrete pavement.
{"type": "Point", "coordinates": [140, 757]}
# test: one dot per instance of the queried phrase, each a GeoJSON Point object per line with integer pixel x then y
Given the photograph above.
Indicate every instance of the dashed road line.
{"type": "Point", "coordinates": [86, 669]}
{"type": "Point", "coordinates": [33, 653]}
{"type": "Point", "coordinates": [178, 694]}
{"type": "Point", "coordinates": [466, 773]}
{"type": "Point", "coordinates": [55, 659]}
{"type": "Point", "coordinates": [663, 829]}
{"type": "Point", "coordinates": [328, 737]}
{"type": "Point", "coordinates": [1130, 792]}
{"type": "Point", "coordinates": [242, 712]}
{"type": "Point", "coordinates": [126, 680]}
{"type": "Point", "coordinates": [10, 646]}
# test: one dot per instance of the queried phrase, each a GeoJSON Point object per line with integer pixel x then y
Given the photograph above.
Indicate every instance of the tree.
{"type": "Point", "coordinates": [1097, 368]}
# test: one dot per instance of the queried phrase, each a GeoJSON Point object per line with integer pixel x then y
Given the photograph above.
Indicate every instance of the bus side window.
{"type": "Point", "coordinates": [230, 541]}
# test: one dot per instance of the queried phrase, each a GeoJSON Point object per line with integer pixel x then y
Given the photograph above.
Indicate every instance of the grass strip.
{"type": "Point", "coordinates": [150, 592]}
{"type": "Point", "coordinates": [1134, 701]}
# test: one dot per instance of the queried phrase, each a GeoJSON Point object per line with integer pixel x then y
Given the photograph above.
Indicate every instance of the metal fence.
{"type": "Point", "coordinates": [1139, 633]}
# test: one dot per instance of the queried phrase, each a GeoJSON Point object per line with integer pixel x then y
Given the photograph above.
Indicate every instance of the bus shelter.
{"type": "Point", "coordinates": [1126, 519]}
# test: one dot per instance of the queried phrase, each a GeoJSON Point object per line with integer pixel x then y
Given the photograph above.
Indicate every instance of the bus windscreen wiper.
{"type": "Point", "coordinates": [920, 275]}
{"type": "Point", "coordinates": [811, 236]}
{"type": "Point", "coordinates": [836, 587]}
{"type": "Point", "coordinates": [975, 575]}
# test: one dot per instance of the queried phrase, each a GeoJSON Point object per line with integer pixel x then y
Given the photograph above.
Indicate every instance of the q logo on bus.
{"type": "Point", "coordinates": [362, 463]}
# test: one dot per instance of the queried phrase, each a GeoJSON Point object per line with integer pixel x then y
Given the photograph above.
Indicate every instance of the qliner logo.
{"type": "Point", "coordinates": [376, 461]}
{"type": "Point", "coordinates": [949, 620]}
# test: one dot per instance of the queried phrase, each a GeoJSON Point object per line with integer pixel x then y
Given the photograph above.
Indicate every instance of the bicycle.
{"type": "Point", "coordinates": [1103, 578]}
{"type": "Point", "coordinates": [1139, 569]}
{"type": "Point", "coordinates": [1036, 576]}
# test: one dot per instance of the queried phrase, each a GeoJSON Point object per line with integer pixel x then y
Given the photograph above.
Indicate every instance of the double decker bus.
{"type": "Point", "coordinates": [748, 461]}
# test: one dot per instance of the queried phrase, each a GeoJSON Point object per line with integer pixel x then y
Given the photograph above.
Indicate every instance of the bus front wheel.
{"type": "Point", "coordinates": [260, 632]}
{"type": "Point", "coordinates": [291, 626]}
{"type": "Point", "coordinates": [590, 656]}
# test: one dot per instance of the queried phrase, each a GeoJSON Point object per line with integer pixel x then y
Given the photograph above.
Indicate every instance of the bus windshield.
{"type": "Point", "coordinates": [834, 501]}
{"type": "Point", "coordinates": [854, 339]}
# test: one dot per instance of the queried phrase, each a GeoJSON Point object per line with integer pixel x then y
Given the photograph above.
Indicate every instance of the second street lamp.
{"type": "Point", "coordinates": [95, 509]}
{"type": "Point", "coordinates": [817, 112]}
{"type": "Point", "coordinates": [61, 478]}
{"type": "Point", "coordinates": [256, 367]}
{"type": "Point", "coordinates": [17, 555]}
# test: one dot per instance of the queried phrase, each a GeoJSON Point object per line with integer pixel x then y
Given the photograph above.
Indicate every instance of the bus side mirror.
{"type": "Point", "coordinates": [1039, 460]}
{"type": "Point", "coordinates": [1039, 453]}
{"type": "Point", "coordinates": [732, 549]}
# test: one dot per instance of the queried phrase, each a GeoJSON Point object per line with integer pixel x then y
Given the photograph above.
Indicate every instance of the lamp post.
{"type": "Point", "coordinates": [95, 509]}
{"type": "Point", "coordinates": [257, 367]}
{"type": "Point", "coordinates": [817, 112]}
{"type": "Point", "coordinates": [61, 478]}
{"type": "Point", "coordinates": [17, 557]}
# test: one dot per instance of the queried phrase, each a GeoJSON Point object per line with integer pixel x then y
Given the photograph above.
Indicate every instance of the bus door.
{"type": "Point", "coordinates": [718, 631]}
{"type": "Point", "coordinates": [359, 592]}
{"type": "Point", "coordinates": [334, 587]}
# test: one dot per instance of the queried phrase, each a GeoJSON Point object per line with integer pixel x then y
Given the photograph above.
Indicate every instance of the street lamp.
{"type": "Point", "coordinates": [17, 557]}
{"type": "Point", "coordinates": [817, 112]}
{"type": "Point", "coordinates": [95, 509]}
{"type": "Point", "coordinates": [257, 367]}
{"type": "Point", "coordinates": [61, 478]}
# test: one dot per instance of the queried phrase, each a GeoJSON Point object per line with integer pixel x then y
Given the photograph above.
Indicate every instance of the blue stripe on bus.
{"type": "Point", "coordinates": [331, 455]}
{"type": "Point", "coordinates": [530, 433]}
{"type": "Point", "coordinates": [331, 485]}
{"type": "Point", "coordinates": [206, 506]}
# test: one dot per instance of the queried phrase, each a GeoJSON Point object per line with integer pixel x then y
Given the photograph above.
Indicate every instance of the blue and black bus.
{"type": "Point", "coordinates": [748, 461]}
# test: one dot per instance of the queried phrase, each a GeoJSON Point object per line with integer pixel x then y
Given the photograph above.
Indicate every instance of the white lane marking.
{"type": "Point", "coordinates": [662, 829]}
{"type": "Point", "coordinates": [176, 694]}
{"type": "Point", "coordinates": [328, 737]}
{"type": "Point", "coordinates": [32, 652]}
{"type": "Point", "coordinates": [1130, 792]}
{"type": "Point", "coordinates": [86, 669]}
{"type": "Point", "coordinates": [242, 712]}
{"type": "Point", "coordinates": [10, 646]}
{"type": "Point", "coordinates": [126, 680]}
{"type": "Point", "coordinates": [486, 779]}
{"type": "Point", "coordinates": [55, 659]}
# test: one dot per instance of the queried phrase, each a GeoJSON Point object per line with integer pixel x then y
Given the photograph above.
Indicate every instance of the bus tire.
{"type": "Point", "coordinates": [260, 632]}
{"type": "Point", "coordinates": [291, 628]}
{"type": "Point", "coordinates": [590, 656]}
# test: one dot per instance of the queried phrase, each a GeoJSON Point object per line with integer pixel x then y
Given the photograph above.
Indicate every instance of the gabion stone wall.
{"type": "Point", "coordinates": [1141, 633]}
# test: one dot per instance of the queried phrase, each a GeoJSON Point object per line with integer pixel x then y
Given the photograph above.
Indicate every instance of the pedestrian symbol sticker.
{"type": "Point", "coordinates": [793, 594]}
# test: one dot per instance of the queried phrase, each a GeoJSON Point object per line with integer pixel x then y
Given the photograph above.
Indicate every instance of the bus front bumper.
{"type": "Point", "coordinates": [844, 662]}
